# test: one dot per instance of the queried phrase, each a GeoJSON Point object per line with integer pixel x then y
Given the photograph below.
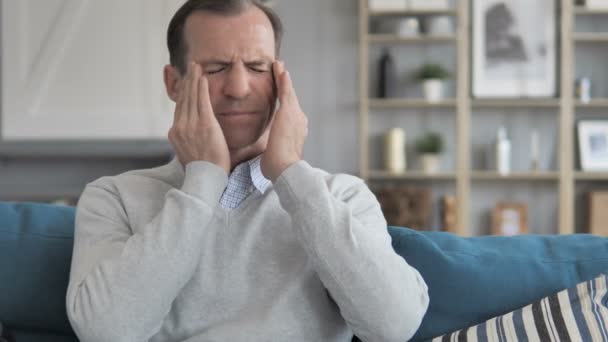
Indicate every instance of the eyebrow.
{"type": "Point", "coordinates": [263, 61]}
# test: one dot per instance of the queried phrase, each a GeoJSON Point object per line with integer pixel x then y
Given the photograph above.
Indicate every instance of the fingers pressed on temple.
{"type": "Point", "coordinates": [277, 72]}
{"type": "Point", "coordinates": [179, 104]}
{"type": "Point", "coordinates": [286, 88]}
{"type": "Point", "coordinates": [293, 97]}
{"type": "Point", "coordinates": [193, 96]}
{"type": "Point", "coordinates": [204, 101]}
{"type": "Point", "coordinates": [187, 85]}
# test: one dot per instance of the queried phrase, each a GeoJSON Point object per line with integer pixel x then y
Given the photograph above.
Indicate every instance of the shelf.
{"type": "Point", "coordinates": [591, 176]}
{"type": "Point", "coordinates": [411, 175]}
{"type": "Point", "coordinates": [595, 103]}
{"type": "Point", "coordinates": [81, 148]}
{"type": "Point", "coordinates": [412, 13]}
{"type": "Point", "coordinates": [590, 37]}
{"type": "Point", "coordinates": [582, 10]}
{"type": "Point", "coordinates": [516, 176]}
{"type": "Point", "coordinates": [516, 103]}
{"type": "Point", "coordinates": [410, 103]}
{"type": "Point", "coordinates": [396, 39]}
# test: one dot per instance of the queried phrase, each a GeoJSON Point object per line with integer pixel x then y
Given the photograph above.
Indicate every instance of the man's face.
{"type": "Point", "coordinates": [236, 55]}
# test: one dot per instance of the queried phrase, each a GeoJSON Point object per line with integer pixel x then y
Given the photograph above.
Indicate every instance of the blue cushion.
{"type": "Point", "coordinates": [471, 280]}
{"type": "Point", "coordinates": [35, 254]}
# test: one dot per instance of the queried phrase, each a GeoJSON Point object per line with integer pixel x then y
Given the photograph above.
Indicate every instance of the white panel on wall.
{"type": "Point", "coordinates": [83, 69]}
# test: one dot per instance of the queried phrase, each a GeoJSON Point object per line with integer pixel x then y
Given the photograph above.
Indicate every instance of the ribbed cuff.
{"type": "Point", "coordinates": [205, 180]}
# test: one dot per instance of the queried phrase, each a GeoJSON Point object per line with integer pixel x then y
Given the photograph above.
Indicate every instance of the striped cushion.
{"type": "Point", "coordinates": [576, 314]}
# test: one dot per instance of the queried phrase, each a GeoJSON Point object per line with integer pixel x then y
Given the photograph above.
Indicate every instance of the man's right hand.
{"type": "Point", "coordinates": [196, 134]}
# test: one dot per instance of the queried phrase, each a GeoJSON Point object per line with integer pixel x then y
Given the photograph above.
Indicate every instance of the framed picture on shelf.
{"type": "Point", "coordinates": [514, 48]}
{"type": "Point", "coordinates": [510, 219]}
{"type": "Point", "coordinates": [598, 213]}
{"type": "Point", "coordinates": [593, 144]}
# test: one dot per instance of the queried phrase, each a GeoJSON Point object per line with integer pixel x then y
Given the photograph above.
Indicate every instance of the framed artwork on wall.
{"type": "Point", "coordinates": [509, 218]}
{"type": "Point", "coordinates": [593, 144]}
{"type": "Point", "coordinates": [514, 48]}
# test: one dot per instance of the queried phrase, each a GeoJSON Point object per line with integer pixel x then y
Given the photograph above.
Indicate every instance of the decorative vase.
{"type": "Point", "coordinates": [408, 27]}
{"type": "Point", "coordinates": [439, 25]}
{"type": "Point", "coordinates": [394, 151]}
{"type": "Point", "coordinates": [431, 163]}
{"type": "Point", "coordinates": [433, 90]}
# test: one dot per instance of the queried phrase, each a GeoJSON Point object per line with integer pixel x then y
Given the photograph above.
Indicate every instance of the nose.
{"type": "Point", "coordinates": [236, 85]}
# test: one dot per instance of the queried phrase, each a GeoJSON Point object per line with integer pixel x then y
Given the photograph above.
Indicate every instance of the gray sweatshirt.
{"type": "Point", "coordinates": [156, 258]}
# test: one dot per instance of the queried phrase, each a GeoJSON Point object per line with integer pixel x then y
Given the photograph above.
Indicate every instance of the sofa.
{"type": "Point", "coordinates": [470, 280]}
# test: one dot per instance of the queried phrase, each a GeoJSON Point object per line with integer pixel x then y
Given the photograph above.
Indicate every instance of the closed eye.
{"type": "Point", "coordinates": [215, 69]}
{"type": "Point", "coordinates": [258, 69]}
{"type": "Point", "coordinates": [259, 66]}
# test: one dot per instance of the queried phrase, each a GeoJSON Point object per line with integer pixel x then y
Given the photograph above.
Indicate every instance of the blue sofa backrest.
{"type": "Point", "coordinates": [35, 255]}
{"type": "Point", "coordinates": [473, 279]}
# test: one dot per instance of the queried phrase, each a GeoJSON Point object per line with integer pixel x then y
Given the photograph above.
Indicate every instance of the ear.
{"type": "Point", "coordinates": [172, 79]}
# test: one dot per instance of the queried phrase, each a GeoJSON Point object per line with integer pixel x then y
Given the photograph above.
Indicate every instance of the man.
{"type": "Point", "coordinates": [237, 239]}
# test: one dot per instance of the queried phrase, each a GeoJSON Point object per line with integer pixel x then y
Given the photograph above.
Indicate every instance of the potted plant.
{"type": "Point", "coordinates": [430, 146]}
{"type": "Point", "coordinates": [432, 76]}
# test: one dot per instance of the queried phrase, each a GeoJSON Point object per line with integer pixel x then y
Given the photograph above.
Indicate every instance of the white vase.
{"type": "Point", "coordinates": [431, 163]}
{"type": "Point", "coordinates": [394, 151]}
{"type": "Point", "coordinates": [439, 25]}
{"type": "Point", "coordinates": [433, 90]}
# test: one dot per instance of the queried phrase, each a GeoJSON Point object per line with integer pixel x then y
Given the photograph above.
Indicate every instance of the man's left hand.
{"type": "Point", "coordinates": [289, 128]}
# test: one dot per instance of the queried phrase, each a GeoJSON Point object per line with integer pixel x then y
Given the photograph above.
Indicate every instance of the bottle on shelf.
{"type": "Point", "coordinates": [583, 89]}
{"type": "Point", "coordinates": [535, 151]}
{"type": "Point", "coordinates": [503, 152]}
{"type": "Point", "coordinates": [387, 82]}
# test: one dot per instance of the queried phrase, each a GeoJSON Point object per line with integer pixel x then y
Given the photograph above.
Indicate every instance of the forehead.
{"type": "Point", "coordinates": [248, 35]}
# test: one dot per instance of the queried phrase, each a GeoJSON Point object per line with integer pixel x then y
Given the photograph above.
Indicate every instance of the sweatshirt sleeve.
{"type": "Point", "coordinates": [380, 296]}
{"type": "Point", "coordinates": [122, 284]}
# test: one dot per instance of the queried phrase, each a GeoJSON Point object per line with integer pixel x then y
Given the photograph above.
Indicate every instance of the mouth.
{"type": "Point", "coordinates": [237, 113]}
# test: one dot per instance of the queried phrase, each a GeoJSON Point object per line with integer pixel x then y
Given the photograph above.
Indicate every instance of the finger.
{"type": "Point", "coordinates": [285, 88]}
{"type": "Point", "coordinates": [179, 104]}
{"type": "Point", "coordinates": [193, 112]}
{"type": "Point", "coordinates": [275, 78]}
{"type": "Point", "coordinates": [187, 84]}
{"type": "Point", "coordinates": [292, 91]}
{"type": "Point", "coordinates": [204, 100]}
{"type": "Point", "coordinates": [279, 70]}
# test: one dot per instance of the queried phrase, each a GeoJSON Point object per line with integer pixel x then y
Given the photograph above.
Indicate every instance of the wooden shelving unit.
{"type": "Point", "coordinates": [581, 10]}
{"type": "Point", "coordinates": [395, 39]}
{"type": "Point", "coordinates": [411, 103]}
{"type": "Point", "coordinates": [591, 176]}
{"type": "Point", "coordinates": [408, 13]}
{"type": "Point", "coordinates": [523, 103]}
{"type": "Point", "coordinates": [591, 37]}
{"type": "Point", "coordinates": [594, 103]}
{"type": "Point", "coordinates": [563, 179]}
{"type": "Point", "coordinates": [411, 175]}
{"type": "Point", "coordinates": [516, 176]}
